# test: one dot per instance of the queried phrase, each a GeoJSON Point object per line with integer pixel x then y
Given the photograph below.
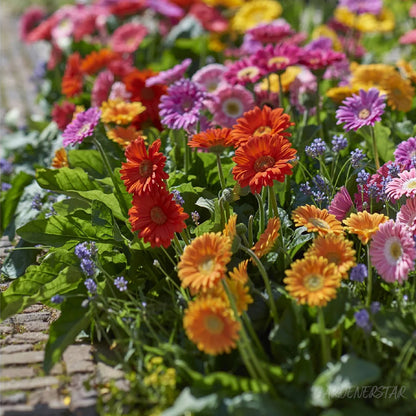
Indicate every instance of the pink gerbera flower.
{"type": "Point", "coordinates": [319, 59]}
{"type": "Point", "coordinates": [101, 88]}
{"type": "Point", "coordinates": [407, 214]}
{"type": "Point", "coordinates": [404, 184]}
{"type": "Point", "coordinates": [127, 38]}
{"type": "Point", "coordinates": [393, 251]}
{"type": "Point", "coordinates": [405, 153]}
{"type": "Point", "coordinates": [231, 103]}
{"type": "Point", "coordinates": [273, 32]}
{"type": "Point", "coordinates": [408, 38]}
{"type": "Point", "coordinates": [171, 75]}
{"type": "Point", "coordinates": [210, 77]}
{"type": "Point", "coordinates": [277, 58]}
{"type": "Point", "coordinates": [341, 204]}
{"type": "Point", "coordinates": [30, 19]}
{"type": "Point", "coordinates": [81, 127]}
{"type": "Point", "coordinates": [243, 72]}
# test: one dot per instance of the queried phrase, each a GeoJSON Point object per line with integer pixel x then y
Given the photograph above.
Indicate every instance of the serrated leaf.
{"type": "Point", "coordinates": [88, 160]}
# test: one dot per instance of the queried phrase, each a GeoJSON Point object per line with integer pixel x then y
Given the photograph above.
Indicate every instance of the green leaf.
{"type": "Point", "coordinates": [18, 261]}
{"type": "Point", "coordinates": [58, 273]}
{"type": "Point", "coordinates": [12, 197]}
{"type": "Point", "coordinates": [88, 160]}
{"type": "Point", "coordinates": [340, 377]}
{"type": "Point", "coordinates": [74, 318]}
{"type": "Point", "coordinates": [392, 327]}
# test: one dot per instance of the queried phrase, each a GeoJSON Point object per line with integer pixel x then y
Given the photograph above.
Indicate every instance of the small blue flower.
{"type": "Point", "coordinates": [57, 299]}
{"type": "Point", "coordinates": [178, 197]}
{"type": "Point", "coordinates": [339, 142]}
{"type": "Point", "coordinates": [121, 283]}
{"type": "Point", "coordinates": [88, 267]}
{"type": "Point", "coordinates": [316, 149]}
{"type": "Point", "coordinates": [362, 319]}
{"type": "Point", "coordinates": [359, 273]}
{"type": "Point", "coordinates": [375, 307]}
{"type": "Point", "coordinates": [362, 177]}
{"type": "Point", "coordinates": [357, 156]}
{"type": "Point", "coordinates": [91, 286]}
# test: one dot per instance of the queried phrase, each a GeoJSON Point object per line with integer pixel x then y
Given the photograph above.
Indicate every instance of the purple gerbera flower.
{"type": "Point", "coordinates": [360, 6]}
{"type": "Point", "coordinates": [82, 126]}
{"type": "Point", "coordinates": [181, 106]}
{"type": "Point", "coordinates": [361, 110]}
{"type": "Point", "coordinates": [171, 75]}
{"type": "Point", "coordinates": [405, 153]}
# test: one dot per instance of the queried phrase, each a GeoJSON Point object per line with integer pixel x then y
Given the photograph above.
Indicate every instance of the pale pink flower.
{"type": "Point", "coordinates": [403, 185]}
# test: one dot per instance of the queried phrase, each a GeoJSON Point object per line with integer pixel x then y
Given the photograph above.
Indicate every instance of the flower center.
{"type": "Point", "coordinates": [157, 215]}
{"type": "Point", "coordinates": [213, 324]}
{"type": "Point", "coordinates": [333, 257]}
{"type": "Point", "coordinates": [206, 265]}
{"type": "Point", "coordinates": [313, 282]}
{"type": "Point", "coordinates": [263, 163]}
{"type": "Point", "coordinates": [278, 60]}
{"type": "Point", "coordinates": [187, 104]}
{"type": "Point", "coordinates": [410, 184]}
{"type": "Point", "coordinates": [211, 86]}
{"type": "Point", "coordinates": [317, 222]}
{"type": "Point", "coordinates": [249, 72]}
{"type": "Point", "coordinates": [232, 108]}
{"type": "Point", "coordinates": [262, 130]}
{"type": "Point", "coordinates": [363, 114]}
{"type": "Point", "coordinates": [393, 250]}
{"type": "Point", "coordinates": [145, 168]}
{"type": "Point", "coordinates": [84, 128]}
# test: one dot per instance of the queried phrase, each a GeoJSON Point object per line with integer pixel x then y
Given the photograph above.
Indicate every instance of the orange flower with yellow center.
{"type": "Point", "coordinates": [213, 140]}
{"type": "Point", "coordinates": [120, 112]}
{"type": "Point", "coordinates": [316, 220]}
{"type": "Point", "coordinates": [364, 224]}
{"type": "Point", "coordinates": [204, 262]}
{"type": "Point", "coordinates": [123, 135]}
{"type": "Point", "coordinates": [336, 249]}
{"type": "Point", "coordinates": [61, 159]}
{"type": "Point", "coordinates": [210, 324]}
{"type": "Point", "coordinates": [268, 238]}
{"type": "Point", "coordinates": [312, 281]}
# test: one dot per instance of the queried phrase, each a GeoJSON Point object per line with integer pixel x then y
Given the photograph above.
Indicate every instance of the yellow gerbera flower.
{"type": "Point", "coordinates": [368, 76]}
{"type": "Point", "coordinates": [327, 32]}
{"type": "Point", "coordinates": [124, 135]}
{"type": "Point", "coordinates": [271, 82]}
{"type": "Point", "coordinates": [400, 92]}
{"type": "Point", "coordinates": [364, 224]}
{"type": "Point", "coordinates": [407, 70]}
{"type": "Point", "coordinates": [120, 112]}
{"type": "Point", "coordinates": [366, 22]}
{"type": "Point", "coordinates": [339, 94]}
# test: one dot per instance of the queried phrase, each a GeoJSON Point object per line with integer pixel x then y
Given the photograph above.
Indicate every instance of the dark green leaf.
{"type": "Point", "coordinates": [18, 261]}
{"type": "Point", "coordinates": [88, 160]}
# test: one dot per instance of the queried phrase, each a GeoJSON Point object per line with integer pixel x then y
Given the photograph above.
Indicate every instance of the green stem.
{"type": "Point", "coordinates": [119, 194]}
{"type": "Point", "coordinates": [273, 202]}
{"type": "Point", "coordinates": [250, 231]}
{"type": "Point", "coordinates": [220, 171]}
{"type": "Point", "coordinates": [261, 212]}
{"type": "Point", "coordinates": [326, 353]}
{"type": "Point", "coordinates": [369, 278]}
{"type": "Point", "coordinates": [266, 280]}
{"type": "Point", "coordinates": [373, 141]}
{"type": "Point", "coordinates": [186, 155]}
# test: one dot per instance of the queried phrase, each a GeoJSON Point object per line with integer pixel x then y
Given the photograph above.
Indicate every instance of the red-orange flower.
{"type": "Point", "coordinates": [157, 217]}
{"type": "Point", "coordinates": [214, 140]}
{"type": "Point", "coordinates": [143, 172]}
{"type": "Point", "coordinates": [258, 122]}
{"type": "Point", "coordinates": [97, 60]}
{"type": "Point", "coordinates": [72, 79]}
{"type": "Point", "coordinates": [262, 160]}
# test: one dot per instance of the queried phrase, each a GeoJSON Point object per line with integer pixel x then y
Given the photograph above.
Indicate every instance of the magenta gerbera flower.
{"type": "Point", "coordinates": [404, 184]}
{"type": "Point", "coordinates": [277, 58]}
{"type": "Point", "coordinates": [243, 72]}
{"type": "Point", "coordinates": [210, 77]}
{"type": "Point", "coordinates": [273, 32]}
{"type": "Point", "coordinates": [320, 59]}
{"type": "Point", "coordinates": [407, 214]}
{"type": "Point", "coordinates": [405, 153]}
{"type": "Point", "coordinates": [101, 88]}
{"type": "Point", "coordinates": [127, 38]}
{"type": "Point", "coordinates": [360, 6]}
{"type": "Point", "coordinates": [170, 75]}
{"type": "Point", "coordinates": [341, 204]}
{"type": "Point", "coordinates": [361, 110]}
{"type": "Point", "coordinates": [82, 126]}
{"type": "Point", "coordinates": [393, 251]}
{"type": "Point", "coordinates": [181, 106]}
{"type": "Point", "coordinates": [230, 103]}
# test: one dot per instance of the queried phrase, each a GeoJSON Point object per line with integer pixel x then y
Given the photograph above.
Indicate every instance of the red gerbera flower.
{"type": "Point", "coordinates": [72, 79]}
{"type": "Point", "coordinates": [214, 140]}
{"type": "Point", "coordinates": [63, 113]}
{"type": "Point", "coordinates": [97, 60]}
{"type": "Point", "coordinates": [262, 160]}
{"type": "Point", "coordinates": [157, 217]}
{"type": "Point", "coordinates": [143, 172]}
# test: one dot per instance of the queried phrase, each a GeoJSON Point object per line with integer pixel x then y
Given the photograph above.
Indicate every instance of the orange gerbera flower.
{"type": "Point", "coordinates": [157, 217]}
{"type": "Point", "coordinates": [364, 224]}
{"type": "Point", "coordinates": [259, 122]}
{"type": "Point", "coordinates": [214, 140]}
{"type": "Point", "coordinates": [315, 219]}
{"type": "Point", "coordinates": [230, 229]}
{"type": "Point", "coordinates": [336, 249]}
{"type": "Point", "coordinates": [72, 79]}
{"type": "Point", "coordinates": [312, 280]}
{"type": "Point", "coordinates": [262, 160]}
{"type": "Point", "coordinates": [97, 60]}
{"type": "Point", "coordinates": [61, 159]}
{"type": "Point", "coordinates": [209, 323]}
{"type": "Point", "coordinates": [400, 92]}
{"type": "Point", "coordinates": [119, 111]}
{"type": "Point", "coordinates": [143, 172]}
{"type": "Point", "coordinates": [239, 273]}
{"type": "Point", "coordinates": [204, 262]}
{"type": "Point", "coordinates": [339, 94]}
{"type": "Point", "coordinates": [268, 238]}
{"type": "Point", "coordinates": [123, 135]}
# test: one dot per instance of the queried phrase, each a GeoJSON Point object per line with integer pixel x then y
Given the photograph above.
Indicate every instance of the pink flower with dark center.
{"type": "Point", "coordinates": [319, 59]}
{"type": "Point", "coordinates": [407, 214]}
{"type": "Point", "coordinates": [393, 251]}
{"type": "Point", "coordinates": [404, 185]}
{"type": "Point", "coordinates": [170, 75]}
{"type": "Point", "coordinates": [127, 38]}
{"type": "Point", "coordinates": [273, 32]}
{"type": "Point", "coordinates": [277, 58]}
{"type": "Point", "coordinates": [341, 204]}
{"type": "Point", "coordinates": [405, 153]}
{"type": "Point", "coordinates": [210, 77]}
{"type": "Point", "coordinates": [243, 72]}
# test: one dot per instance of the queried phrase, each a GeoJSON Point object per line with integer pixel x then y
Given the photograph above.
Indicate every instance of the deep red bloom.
{"type": "Point", "coordinates": [30, 19]}
{"type": "Point", "coordinates": [62, 114]}
{"type": "Point", "coordinates": [126, 7]}
{"type": "Point", "coordinates": [44, 30]}
{"type": "Point", "coordinates": [157, 217]}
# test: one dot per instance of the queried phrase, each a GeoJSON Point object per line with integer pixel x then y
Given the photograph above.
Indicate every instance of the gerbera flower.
{"type": "Point", "coordinates": [60, 159]}
{"type": "Point", "coordinates": [404, 184]}
{"type": "Point", "coordinates": [364, 224]}
{"type": "Point", "coordinates": [230, 228]}
{"type": "Point", "coordinates": [81, 127]}
{"type": "Point", "coordinates": [73, 78]}
{"type": "Point", "coordinates": [262, 160]}
{"type": "Point", "coordinates": [359, 6]}
{"type": "Point", "coordinates": [340, 93]}
{"type": "Point", "coordinates": [405, 153]}
{"type": "Point", "coordinates": [341, 204]}
{"type": "Point", "coordinates": [209, 323]}
{"type": "Point", "coordinates": [273, 32]}
{"type": "Point", "coordinates": [312, 281]}
{"type": "Point", "coordinates": [120, 112]}
{"type": "Point", "coordinates": [407, 214]}
{"type": "Point", "coordinates": [276, 58]}
{"type": "Point", "coordinates": [243, 72]}
{"type": "Point", "coordinates": [406, 69]}
{"type": "Point", "coordinates": [101, 88]}
{"type": "Point", "coordinates": [254, 12]}
{"type": "Point", "coordinates": [408, 38]}
{"type": "Point", "coordinates": [127, 38]}
{"type": "Point", "coordinates": [361, 110]}
{"type": "Point", "coordinates": [209, 77]}
{"type": "Point", "coordinates": [213, 140]}
{"type": "Point", "coordinates": [393, 251]}
{"type": "Point", "coordinates": [230, 103]}
{"type": "Point", "coordinates": [171, 75]}
{"type": "Point", "coordinates": [382, 22]}
{"type": "Point", "coordinates": [143, 172]}
{"type": "Point", "coordinates": [258, 122]}
{"type": "Point", "coordinates": [210, 18]}
{"type": "Point", "coordinates": [368, 76]}
{"type": "Point", "coordinates": [63, 113]}
{"type": "Point", "coordinates": [399, 91]}
{"type": "Point", "coordinates": [316, 220]}
{"type": "Point", "coordinates": [97, 60]}
{"type": "Point", "coordinates": [336, 249]}
{"type": "Point", "coordinates": [239, 273]}
{"type": "Point", "coordinates": [271, 82]}
{"type": "Point", "coordinates": [32, 16]}
{"type": "Point", "coordinates": [268, 238]}
{"type": "Point", "coordinates": [204, 262]}
{"type": "Point", "coordinates": [319, 59]}
{"type": "Point", "coordinates": [123, 135]}
{"type": "Point", "coordinates": [157, 217]}
{"type": "Point", "coordinates": [181, 106]}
